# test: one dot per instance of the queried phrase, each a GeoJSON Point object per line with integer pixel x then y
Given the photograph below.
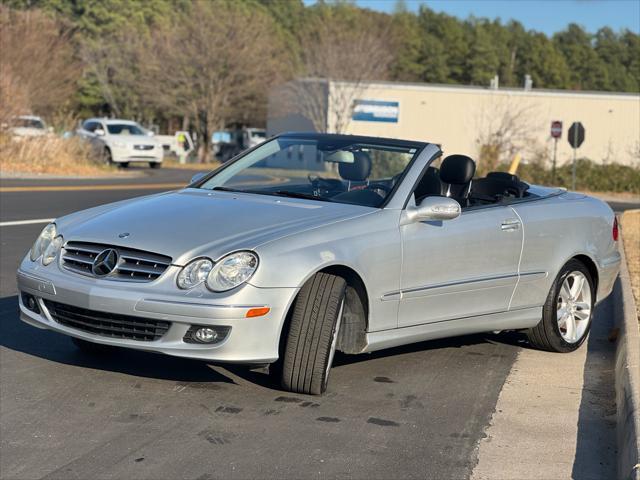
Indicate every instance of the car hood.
{"type": "Point", "coordinates": [190, 223]}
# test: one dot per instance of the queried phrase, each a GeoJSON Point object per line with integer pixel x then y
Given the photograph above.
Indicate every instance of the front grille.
{"type": "Point", "coordinates": [143, 147]}
{"type": "Point", "coordinates": [133, 265]}
{"type": "Point", "coordinates": [107, 324]}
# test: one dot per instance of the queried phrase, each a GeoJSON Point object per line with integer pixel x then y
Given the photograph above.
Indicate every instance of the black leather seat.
{"type": "Point", "coordinates": [358, 171]}
{"type": "Point", "coordinates": [498, 185]}
{"type": "Point", "coordinates": [456, 173]}
{"type": "Point", "coordinates": [429, 185]}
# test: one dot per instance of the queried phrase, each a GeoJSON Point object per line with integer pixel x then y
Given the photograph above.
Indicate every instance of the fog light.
{"type": "Point", "coordinates": [206, 335]}
{"type": "Point", "coordinates": [203, 334]}
{"type": "Point", "coordinates": [30, 302]}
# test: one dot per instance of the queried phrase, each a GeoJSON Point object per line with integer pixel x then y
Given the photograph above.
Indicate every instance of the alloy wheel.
{"type": "Point", "coordinates": [574, 307]}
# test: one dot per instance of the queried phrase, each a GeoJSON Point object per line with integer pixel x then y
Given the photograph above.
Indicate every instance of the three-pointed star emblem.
{"type": "Point", "coordinates": [105, 262]}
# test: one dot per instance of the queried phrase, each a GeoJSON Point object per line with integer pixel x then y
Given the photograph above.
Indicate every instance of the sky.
{"type": "Point", "coordinates": [548, 16]}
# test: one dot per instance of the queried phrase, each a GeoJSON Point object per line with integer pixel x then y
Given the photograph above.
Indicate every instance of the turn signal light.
{"type": "Point", "coordinates": [615, 231]}
{"type": "Point", "coordinates": [257, 312]}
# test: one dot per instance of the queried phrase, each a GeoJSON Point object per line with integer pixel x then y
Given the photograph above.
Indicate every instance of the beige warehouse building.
{"type": "Point", "coordinates": [461, 118]}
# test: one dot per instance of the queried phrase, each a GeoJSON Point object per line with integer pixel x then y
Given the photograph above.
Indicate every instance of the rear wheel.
{"type": "Point", "coordinates": [124, 164]}
{"type": "Point", "coordinates": [90, 347]}
{"type": "Point", "coordinates": [155, 164]}
{"type": "Point", "coordinates": [313, 334]}
{"type": "Point", "coordinates": [567, 313]}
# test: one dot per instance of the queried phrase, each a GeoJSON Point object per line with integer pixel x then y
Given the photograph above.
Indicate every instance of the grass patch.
{"type": "Point", "coordinates": [631, 235]}
{"type": "Point", "coordinates": [49, 155]}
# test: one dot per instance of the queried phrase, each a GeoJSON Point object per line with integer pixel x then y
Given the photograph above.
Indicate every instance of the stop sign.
{"type": "Point", "coordinates": [576, 134]}
{"type": "Point", "coordinates": [556, 129]}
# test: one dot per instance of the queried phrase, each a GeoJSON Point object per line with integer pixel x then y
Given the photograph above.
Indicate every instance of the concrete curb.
{"type": "Point", "coordinates": [627, 377]}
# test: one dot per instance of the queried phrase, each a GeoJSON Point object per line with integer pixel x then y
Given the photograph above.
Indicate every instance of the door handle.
{"type": "Point", "coordinates": [510, 224]}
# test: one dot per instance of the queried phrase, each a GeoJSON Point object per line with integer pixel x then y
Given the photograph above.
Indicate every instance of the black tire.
{"type": "Point", "coordinates": [90, 347]}
{"type": "Point", "coordinates": [547, 335]}
{"type": "Point", "coordinates": [123, 164]}
{"type": "Point", "coordinates": [313, 323]}
{"type": "Point", "coordinates": [155, 164]}
{"type": "Point", "coordinates": [107, 158]}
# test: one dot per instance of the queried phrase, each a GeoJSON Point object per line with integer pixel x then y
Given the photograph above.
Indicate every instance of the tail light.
{"type": "Point", "coordinates": [615, 230]}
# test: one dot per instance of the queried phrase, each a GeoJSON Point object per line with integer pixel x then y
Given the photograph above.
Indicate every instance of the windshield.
{"type": "Point", "coordinates": [124, 129]}
{"type": "Point", "coordinates": [332, 169]}
{"type": "Point", "coordinates": [28, 123]}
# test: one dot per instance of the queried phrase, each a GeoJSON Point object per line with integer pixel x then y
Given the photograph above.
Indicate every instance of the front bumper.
{"type": "Point", "coordinates": [126, 154]}
{"type": "Point", "coordinates": [250, 340]}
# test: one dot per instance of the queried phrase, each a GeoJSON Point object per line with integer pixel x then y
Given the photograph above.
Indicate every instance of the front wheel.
{"type": "Point", "coordinates": [567, 313]}
{"type": "Point", "coordinates": [313, 334]}
{"type": "Point", "coordinates": [155, 164]}
{"type": "Point", "coordinates": [107, 158]}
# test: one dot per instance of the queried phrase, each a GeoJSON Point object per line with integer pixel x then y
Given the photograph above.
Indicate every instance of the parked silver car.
{"type": "Point", "coordinates": [310, 243]}
{"type": "Point", "coordinates": [122, 141]}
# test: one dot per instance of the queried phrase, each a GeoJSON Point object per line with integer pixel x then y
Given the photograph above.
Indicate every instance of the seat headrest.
{"type": "Point", "coordinates": [359, 170]}
{"type": "Point", "coordinates": [457, 169]}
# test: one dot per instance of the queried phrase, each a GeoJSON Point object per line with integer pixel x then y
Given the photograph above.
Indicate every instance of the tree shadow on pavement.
{"type": "Point", "coordinates": [596, 438]}
{"type": "Point", "coordinates": [18, 336]}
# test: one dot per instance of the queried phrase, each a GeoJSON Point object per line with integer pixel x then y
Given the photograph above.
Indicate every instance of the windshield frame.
{"type": "Point", "coordinates": [389, 142]}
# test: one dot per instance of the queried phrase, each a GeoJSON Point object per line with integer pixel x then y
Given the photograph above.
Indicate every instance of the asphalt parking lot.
{"type": "Point", "coordinates": [412, 412]}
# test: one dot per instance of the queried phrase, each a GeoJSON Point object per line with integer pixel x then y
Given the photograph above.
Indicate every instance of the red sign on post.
{"type": "Point", "coordinates": [556, 129]}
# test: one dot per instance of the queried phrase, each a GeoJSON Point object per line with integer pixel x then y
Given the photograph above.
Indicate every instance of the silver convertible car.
{"type": "Point", "coordinates": [310, 244]}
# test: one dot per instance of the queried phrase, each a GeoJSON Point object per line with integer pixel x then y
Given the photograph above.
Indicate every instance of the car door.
{"type": "Point", "coordinates": [459, 268]}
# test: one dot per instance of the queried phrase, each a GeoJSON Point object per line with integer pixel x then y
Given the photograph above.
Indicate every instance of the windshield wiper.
{"type": "Point", "coordinates": [287, 193]}
{"type": "Point", "coordinates": [279, 193]}
{"type": "Point", "coordinates": [227, 189]}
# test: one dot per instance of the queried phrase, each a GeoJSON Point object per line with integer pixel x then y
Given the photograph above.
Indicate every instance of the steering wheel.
{"type": "Point", "coordinates": [326, 183]}
{"type": "Point", "coordinates": [380, 186]}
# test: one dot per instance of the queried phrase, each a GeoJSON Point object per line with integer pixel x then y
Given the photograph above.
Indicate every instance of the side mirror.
{"type": "Point", "coordinates": [99, 132]}
{"type": "Point", "coordinates": [197, 176]}
{"type": "Point", "coordinates": [434, 208]}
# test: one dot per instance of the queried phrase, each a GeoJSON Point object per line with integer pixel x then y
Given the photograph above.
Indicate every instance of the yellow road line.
{"type": "Point", "coordinates": [66, 188]}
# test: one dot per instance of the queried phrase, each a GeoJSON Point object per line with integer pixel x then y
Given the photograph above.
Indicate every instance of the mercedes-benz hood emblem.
{"type": "Point", "coordinates": [105, 263]}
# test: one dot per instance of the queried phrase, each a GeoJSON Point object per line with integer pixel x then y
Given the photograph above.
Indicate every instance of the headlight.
{"type": "Point", "coordinates": [52, 250]}
{"type": "Point", "coordinates": [194, 273]}
{"type": "Point", "coordinates": [43, 241]}
{"type": "Point", "coordinates": [232, 270]}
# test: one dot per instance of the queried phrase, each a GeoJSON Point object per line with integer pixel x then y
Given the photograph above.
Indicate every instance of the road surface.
{"type": "Point", "coordinates": [421, 411]}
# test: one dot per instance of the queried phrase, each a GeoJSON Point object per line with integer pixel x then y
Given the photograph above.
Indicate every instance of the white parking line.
{"type": "Point", "coordinates": [26, 222]}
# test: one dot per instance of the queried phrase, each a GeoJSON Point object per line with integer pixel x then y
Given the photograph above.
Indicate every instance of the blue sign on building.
{"type": "Point", "coordinates": [376, 111]}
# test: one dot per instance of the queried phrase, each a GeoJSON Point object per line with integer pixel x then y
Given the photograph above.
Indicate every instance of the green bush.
{"type": "Point", "coordinates": [590, 176]}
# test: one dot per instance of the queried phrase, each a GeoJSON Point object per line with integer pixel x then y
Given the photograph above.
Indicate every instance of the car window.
{"type": "Point", "coordinates": [327, 169]}
{"type": "Point", "coordinates": [29, 123]}
{"type": "Point", "coordinates": [90, 126]}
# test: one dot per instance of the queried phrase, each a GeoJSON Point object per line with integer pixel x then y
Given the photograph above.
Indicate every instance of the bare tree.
{"type": "Point", "coordinates": [339, 54]}
{"type": "Point", "coordinates": [504, 128]}
{"type": "Point", "coordinates": [212, 59]}
{"type": "Point", "coordinates": [38, 70]}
